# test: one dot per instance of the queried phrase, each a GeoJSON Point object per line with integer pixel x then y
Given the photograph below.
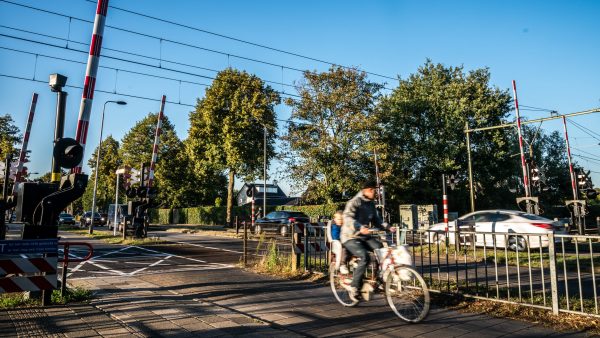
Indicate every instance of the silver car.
{"type": "Point", "coordinates": [514, 229]}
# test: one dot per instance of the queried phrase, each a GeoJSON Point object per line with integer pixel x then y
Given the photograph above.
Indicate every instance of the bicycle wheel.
{"type": "Point", "coordinates": [407, 294]}
{"type": "Point", "coordinates": [340, 284]}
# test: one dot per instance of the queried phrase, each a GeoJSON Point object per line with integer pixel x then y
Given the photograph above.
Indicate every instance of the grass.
{"type": "Point", "coordinates": [20, 299]}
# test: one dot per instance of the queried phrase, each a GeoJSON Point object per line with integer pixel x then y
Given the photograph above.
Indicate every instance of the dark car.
{"type": "Point", "coordinates": [86, 219]}
{"type": "Point", "coordinates": [65, 218]}
{"type": "Point", "coordinates": [279, 222]}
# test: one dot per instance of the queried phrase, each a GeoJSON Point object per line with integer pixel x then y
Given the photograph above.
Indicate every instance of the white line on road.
{"type": "Point", "coordinates": [209, 247]}
{"type": "Point", "coordinates": [149, 266]}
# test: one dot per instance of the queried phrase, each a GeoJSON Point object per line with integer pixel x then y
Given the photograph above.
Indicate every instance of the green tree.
{"type": "Point", "coordinates": [328, 150]}
{"type": "Point", "coordinates": [109, 163]}
{"type": "Point", "coordinates": [226, 128]}
{"type": "Point", "coordinates": [422, 136]}
{"type": "Point", "coordinates": [9, 137]}
{"type": "Point", "coordinates": [177, 185]}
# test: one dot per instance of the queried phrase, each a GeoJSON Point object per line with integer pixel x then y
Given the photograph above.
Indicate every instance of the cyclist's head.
{"type": "Point", "coordinates": [368, 189]}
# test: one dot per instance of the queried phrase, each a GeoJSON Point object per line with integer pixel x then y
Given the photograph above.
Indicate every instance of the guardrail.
{"type": "Point", "coordinates": [542, 270]}
{"type": "Point", "coordinates": [66, 259]}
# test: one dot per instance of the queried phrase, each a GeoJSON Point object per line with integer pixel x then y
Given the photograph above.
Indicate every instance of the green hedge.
{"type": "Point", "coordinates": [211, 215]}
{"type": "Point", "coordinates": [315, 211]}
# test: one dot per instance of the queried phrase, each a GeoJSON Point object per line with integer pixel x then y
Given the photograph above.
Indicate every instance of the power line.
{"type": "Point", "coordinates": [120, 51]}
{"type": "Point", "coordinates": [586, 130]}
{"type": "Point", "coordinates": [160, 39]}
{"type": "Point", "coordinates": [587, 152]}
{"type": "Point", "coordinates": [587, 158]}
{"type": "Point", "coordinates": [132, 96]}
{"type": "Point", "coordinates": [289, 95]}
{"type": "Point", "coordinates": [239, 40]}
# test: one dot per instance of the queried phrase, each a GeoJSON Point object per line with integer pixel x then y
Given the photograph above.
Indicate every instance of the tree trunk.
{"type": "Point", "coordinates": [230, 195]}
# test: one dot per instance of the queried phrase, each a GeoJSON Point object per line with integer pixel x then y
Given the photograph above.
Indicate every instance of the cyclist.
{"type": "Point", "coordinates": [359, 216]}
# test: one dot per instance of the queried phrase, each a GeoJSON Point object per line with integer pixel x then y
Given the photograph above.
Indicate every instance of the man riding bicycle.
{"type": "Point", "coordinates": [359, 216]}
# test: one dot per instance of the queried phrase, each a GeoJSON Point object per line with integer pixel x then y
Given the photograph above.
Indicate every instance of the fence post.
{"type": "Point", "coordinates": [305, 247]}
{"type": "Point", "coordinates": [553, 274]}
{"type": "Point", "coordinates": [295, 240]}
{"type": "Point", "coordinates": [245, 254]}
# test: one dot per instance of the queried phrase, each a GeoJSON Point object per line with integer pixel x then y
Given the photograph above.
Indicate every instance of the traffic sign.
{"type": "Point", "coordinates": [29, 246]}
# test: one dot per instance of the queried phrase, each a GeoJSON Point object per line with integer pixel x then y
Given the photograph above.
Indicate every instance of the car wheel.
{"type": "Point", "coordinates": [517, 243]}
{"type": "Point", "coordinates": [257, 229]}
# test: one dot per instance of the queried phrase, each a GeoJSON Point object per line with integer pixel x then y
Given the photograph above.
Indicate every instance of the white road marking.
{"type": "Point", "coordinates": [155, 272]}
{"type": "Point", "coordinates": [209, 247]}
{"type": "Point", "coordinates": [149, 266]}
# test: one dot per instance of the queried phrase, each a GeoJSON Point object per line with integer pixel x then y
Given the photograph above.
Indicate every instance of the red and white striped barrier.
{"type": "Point", "coordinates": [16, 267]}
{"type": "Point", "coordinates": [90, 76]}
{"type": "Point", "coordinates": [23, 152]}
{"type": "Point", "coordinates": [156, 142]}
{"type": "Point", "coordinates": [317, 242]}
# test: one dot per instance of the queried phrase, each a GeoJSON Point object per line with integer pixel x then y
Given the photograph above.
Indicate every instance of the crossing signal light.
{"type": "Point", "coordinates": [591, 194]}
{"type": "Point", "coordinates": [68, 153]}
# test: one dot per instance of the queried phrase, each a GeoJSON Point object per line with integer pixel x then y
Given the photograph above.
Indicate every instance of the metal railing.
{"type": "Point", "coordinates": [543, 270]}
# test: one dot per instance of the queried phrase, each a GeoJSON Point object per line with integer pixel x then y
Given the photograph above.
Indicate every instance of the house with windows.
{"type": "Point", "coordinates": [274, 195]}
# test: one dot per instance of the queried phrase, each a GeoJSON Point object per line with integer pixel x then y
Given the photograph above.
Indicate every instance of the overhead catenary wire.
{"type": "Point", "coordinates": [240, 40]}
{"type": "Point", "coordinates": [132, 96]}
{"type": "Point", "coordinates": [162, 39]}
{"type": "Point", "coordinates": [586, 130]}
{"type": "Point", "coordinates": [289, 95]}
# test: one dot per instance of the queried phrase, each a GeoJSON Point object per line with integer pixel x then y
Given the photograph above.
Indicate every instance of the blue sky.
{"type": "Point", "coordinates": [550, 48]}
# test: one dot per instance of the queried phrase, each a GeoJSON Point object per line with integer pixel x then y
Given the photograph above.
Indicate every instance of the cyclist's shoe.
{"type": "Point", "coordinates": [344, 269]}
{"type": "Point", "coordinates": [353, 294]}
{"type": "Point", "coordinates": [365, 291]}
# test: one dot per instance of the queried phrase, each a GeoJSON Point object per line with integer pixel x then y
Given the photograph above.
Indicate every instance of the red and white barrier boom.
{"type": "Point", "coordinates": [90, 76]}
{"type": "Point", "coordinates": [23, 152]}
{"type": "Point", "coordinates": [156, 142]}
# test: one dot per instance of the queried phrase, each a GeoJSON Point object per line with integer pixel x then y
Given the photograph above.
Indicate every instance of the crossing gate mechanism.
{"type": "Point", "coordinates": [19, 274]}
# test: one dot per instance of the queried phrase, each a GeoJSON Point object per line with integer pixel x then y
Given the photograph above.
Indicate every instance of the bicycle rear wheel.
{"type": "Point", "coordinates": [407, 294]}
{"type": "Point", "coordinates": [340, 284]}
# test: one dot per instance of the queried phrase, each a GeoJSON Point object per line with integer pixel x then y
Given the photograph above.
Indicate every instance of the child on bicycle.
{"type": "Point", "coordinates": [336, 228]}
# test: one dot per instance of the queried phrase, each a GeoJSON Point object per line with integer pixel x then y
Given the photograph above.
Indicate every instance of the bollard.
{"type": "Point", "coordinates": [598, 224]}
{"type": "Point", "coordinates": [237, 226]}
{"type": "Point", "coordinates": [245, 256]}
{"type": "Point", "coordinates": [296, 238]}
{"type": "Point", "coordinates": [305, 247]}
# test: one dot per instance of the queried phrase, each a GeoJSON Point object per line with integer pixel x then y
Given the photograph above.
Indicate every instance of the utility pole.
{"type": "Point", "coordinates": [471, 193]}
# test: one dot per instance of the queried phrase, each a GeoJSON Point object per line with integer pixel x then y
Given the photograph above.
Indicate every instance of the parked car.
{"type": "Point", "coordinates": [514, 229]}
{"type": "Point", "coordinates": [86, 219]}
{"type": "Point", "coordinates": [279, 222]}
{"type": "Point", "coordinates": [65, 218]}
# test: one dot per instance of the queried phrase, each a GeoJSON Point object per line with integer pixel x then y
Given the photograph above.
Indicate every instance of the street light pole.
{"type": "Point", "coordinates": [91, 229]}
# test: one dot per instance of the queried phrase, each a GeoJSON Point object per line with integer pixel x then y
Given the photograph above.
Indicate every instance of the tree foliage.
{"type": "Point", "coordinates": [108, 164]}
{"type": "Point", "coordinates": [328, 149]}
{"type": "Point", "coordinates": [9, 137]}
{"type": "Point", "coordinates": [423, 123]}
{"type": "Point", "coordinates": [226, 128]}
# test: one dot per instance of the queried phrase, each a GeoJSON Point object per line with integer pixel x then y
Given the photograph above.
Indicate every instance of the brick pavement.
{"type": "Point", "coordinates": [229, 302]}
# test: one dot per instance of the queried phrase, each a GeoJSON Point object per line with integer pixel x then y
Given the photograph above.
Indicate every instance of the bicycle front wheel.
{"type": "Point", "coordinates": [340, 283]}
{"type": "Point", "coordinates": [407, 294]}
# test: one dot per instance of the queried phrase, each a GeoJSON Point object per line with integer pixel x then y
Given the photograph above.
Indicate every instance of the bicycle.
{"type": "Point", "coordinates": [404, 288]}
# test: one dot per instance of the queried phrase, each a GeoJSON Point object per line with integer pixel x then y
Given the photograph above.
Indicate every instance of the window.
{"type": "Point", "coordinates": [484, 217]}
{"type": "Point", "coordinates": [270, 190]}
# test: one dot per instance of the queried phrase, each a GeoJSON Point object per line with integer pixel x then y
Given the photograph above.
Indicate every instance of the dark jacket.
{"type": "Point", "coordinates": [359, 211]}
